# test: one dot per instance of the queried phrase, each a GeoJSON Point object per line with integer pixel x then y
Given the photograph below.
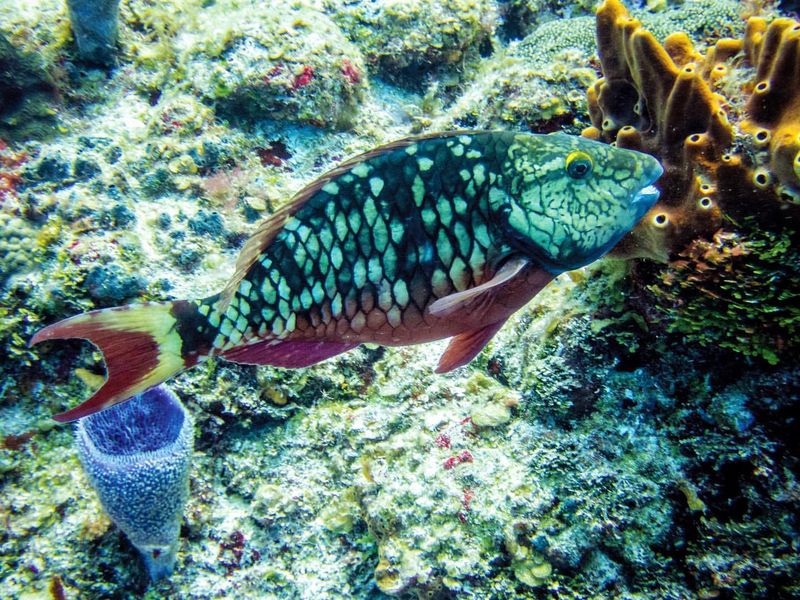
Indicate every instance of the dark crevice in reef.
{"type": "Point", "coordinates": [727, 500]}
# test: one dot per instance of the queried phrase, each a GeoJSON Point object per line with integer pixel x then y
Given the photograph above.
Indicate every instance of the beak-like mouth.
{"type": "Point", "coordinates": [646, 197]}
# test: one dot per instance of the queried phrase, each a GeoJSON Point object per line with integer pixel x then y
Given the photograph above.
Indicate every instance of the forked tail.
{"type": "Point", "coordinates": [141, 343]}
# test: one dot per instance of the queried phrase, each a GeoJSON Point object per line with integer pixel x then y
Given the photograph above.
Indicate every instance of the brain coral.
{"type": "Point", "coordinates": [16, 254]}
{"type": "Point", "coordinates": [725, 123]}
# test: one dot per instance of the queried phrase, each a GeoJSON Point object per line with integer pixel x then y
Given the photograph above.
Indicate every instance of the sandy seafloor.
{"type": "Point", "coordinates": [588, 452]}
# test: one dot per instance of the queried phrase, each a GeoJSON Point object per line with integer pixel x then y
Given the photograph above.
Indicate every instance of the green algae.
{"type": "Point", "coordinates": [737, 292]}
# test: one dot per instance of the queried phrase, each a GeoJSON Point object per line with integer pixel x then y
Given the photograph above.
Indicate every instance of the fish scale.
{"type": "Point", "coordinates": [436, 254]}
{"type": "Point", "coordinates": [445, 235]}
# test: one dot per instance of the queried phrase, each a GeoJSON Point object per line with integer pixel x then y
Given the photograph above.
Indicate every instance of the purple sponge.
{"type": "Point", "coordinates": [137, 456]}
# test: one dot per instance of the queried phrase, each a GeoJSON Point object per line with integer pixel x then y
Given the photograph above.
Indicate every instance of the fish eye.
{"type": "Point", "coordinates": [578, 164]}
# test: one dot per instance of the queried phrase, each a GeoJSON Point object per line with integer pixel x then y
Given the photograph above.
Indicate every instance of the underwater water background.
{"type": "Point", "coordinates": [630, 433]}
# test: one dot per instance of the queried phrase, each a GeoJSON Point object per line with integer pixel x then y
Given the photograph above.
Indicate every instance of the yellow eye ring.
{"type": "Point", "coordinates": [578, 164]}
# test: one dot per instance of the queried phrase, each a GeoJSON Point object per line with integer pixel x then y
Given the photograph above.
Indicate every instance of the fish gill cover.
{"type": "Point", "coordinates": [629, 432]}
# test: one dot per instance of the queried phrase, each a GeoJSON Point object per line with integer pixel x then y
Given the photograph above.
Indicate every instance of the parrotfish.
{"type": "Point", "coordinates": [425, 238]}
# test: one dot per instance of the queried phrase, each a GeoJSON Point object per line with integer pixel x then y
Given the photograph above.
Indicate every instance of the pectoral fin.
{"type": "Point", "coordinates": [465, 346]}
{"type": "Point", "coordinates": [480, 296]}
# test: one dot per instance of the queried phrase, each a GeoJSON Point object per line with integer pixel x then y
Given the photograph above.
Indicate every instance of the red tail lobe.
{"type": "Point", "coordinates": [140, 345]}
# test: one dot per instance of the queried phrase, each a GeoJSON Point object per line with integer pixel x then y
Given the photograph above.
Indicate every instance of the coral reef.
{"type": "Point", "coordinates": [728, 142]}
{"type": "Point", "coordinates": [623, 436]}
{"type": "Point", "coordinates": [26, 92]}
{"type": "Point", "coordinates": [701, 20]}
{"type": "Point", "coordinates": [278, 62]}
{"type": "Point", "coordinates": [686, 109]}
{"type": "Point", "coordinates": [538, 84]}
{"type": "Point", "coordinates": [497, 509]}
{"type": "Point", "coordinates": [137, 456]}
{"type": "Point", "coordinates": [542, 46]}
{"type": "Point", "coordinates": [522, 17]}
{"type": "Point", "coordinates": [17, 256]}
{"type": "Point", "coordinates": [94, 24]}
{"type": "Point", "coordinates": [377, 474]}
{"type": "Point", "coordinates": [407, 40]}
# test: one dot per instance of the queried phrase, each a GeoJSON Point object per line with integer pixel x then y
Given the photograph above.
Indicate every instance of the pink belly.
{"type": "Point", "coordinates": [409, 326]}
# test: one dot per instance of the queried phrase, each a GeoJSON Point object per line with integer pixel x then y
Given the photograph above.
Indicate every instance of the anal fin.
{"type": "Point", "coordinates": [290, 354]}
{"type": "Point", "coordinates": [466, 346]}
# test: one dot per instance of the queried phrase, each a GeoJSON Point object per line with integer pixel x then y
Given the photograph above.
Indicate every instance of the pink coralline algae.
{"type": "Point", "coordinates": [464, 457]}
{"type": "Point", "coordinates": [234, 546]}
{"type": "Point", "coordinates": [466, 502]}
{"type": "Point", "coordinates": [9, 178]}
{"type": "Point", "coordinates": [350, 72]}
{"type": "Point", "coordinates": [303, 78]}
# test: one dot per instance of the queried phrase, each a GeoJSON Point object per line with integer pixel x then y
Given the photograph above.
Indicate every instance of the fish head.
{"type": "Point", "coordinates": [572, 198]}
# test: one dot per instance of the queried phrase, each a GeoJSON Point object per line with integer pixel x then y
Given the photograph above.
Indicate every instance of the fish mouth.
{"type": "Point", "coordinates": [646, 197]}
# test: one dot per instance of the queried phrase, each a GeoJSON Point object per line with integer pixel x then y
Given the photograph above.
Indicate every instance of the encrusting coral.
{"type": "Point", "coordinates": [25, 94]}
{"type": "Point", "coordinates": [403, 40]}
{"type": "Point", "coordinates": [537, 84]}
{"type": "Point", "coordinates": [287, 62]}
{"type": "Point", "coordinates": [718, 151]}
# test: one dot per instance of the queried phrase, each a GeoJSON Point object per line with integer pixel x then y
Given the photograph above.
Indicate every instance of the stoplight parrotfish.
{"type": "Point", "coordinates": [444, 235]}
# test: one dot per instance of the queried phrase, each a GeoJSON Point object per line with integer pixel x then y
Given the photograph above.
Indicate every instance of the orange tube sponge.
{"type": "Point", "coordinates": [705, 118]}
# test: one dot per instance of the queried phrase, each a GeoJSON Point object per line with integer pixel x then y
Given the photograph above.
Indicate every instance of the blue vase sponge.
{"type": "Point", "coordinates": [137, 455]}
{"type": "Point", "coordinates": [95, 26]}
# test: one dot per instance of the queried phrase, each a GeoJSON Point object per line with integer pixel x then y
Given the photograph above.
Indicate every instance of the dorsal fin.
{"type": "Point", "coordinates": [253, 247]}
{"type": "Point", "coordinates": [272, 224]}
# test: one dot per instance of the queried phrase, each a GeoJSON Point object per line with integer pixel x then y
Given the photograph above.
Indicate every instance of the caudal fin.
{"type": "Point", "coordinates": [140, 343]}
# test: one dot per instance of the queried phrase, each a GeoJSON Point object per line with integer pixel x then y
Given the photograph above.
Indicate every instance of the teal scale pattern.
{"type": "Point", "coordinates": [375, 246]}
